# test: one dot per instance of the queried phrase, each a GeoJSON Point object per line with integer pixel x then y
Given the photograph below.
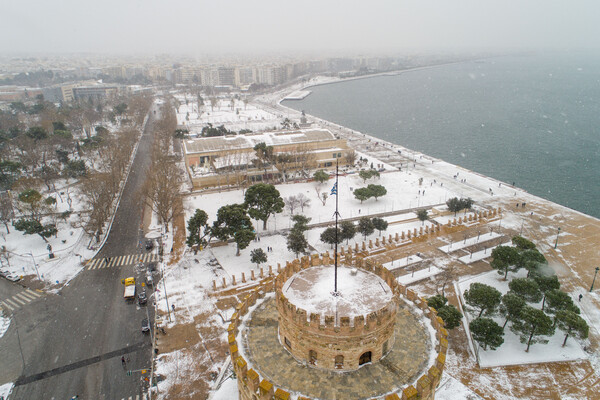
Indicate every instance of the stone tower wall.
{"type": "Point", "coordinates": [252, 387]}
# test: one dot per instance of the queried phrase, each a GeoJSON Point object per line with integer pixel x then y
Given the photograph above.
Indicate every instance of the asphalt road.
{"type": "Point", "coordinates": [72, 343]}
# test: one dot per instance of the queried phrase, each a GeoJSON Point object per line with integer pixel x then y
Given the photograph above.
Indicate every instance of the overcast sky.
{"type": "Point", "coordinates": [259, 26]}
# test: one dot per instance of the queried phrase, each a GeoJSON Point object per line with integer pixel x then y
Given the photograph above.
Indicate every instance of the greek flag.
{"type": "Point", "coordinates": [334, 189]}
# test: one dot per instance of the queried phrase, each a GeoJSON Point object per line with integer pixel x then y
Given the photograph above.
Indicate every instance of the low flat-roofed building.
{"type": "Point", "coordinates": [232, 160]}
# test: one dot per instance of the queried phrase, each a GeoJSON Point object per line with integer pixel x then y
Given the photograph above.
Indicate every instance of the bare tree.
{"type": "Point", "coordinates": [98, 195]}
{"type": "Point", "coordinates": [350, 156]}
{"type": "Point", "coordinates": [442, 279]}
{"type": "Point", "coordinates": [291, 203]}
{"type": "Point", "coordinates": [5, 256]}
{"type": "Point", "coordinates": [161, 189]}
{"type": "Point", "coordinates": [7, 212]}
{"type": "Point", "coordinates": [303, 201]}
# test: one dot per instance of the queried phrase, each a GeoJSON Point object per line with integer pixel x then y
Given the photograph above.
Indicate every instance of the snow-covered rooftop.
{"type": "Point", "coordinates": [360, 294]}
{"type": "Point", "coordinates": [248, 141]}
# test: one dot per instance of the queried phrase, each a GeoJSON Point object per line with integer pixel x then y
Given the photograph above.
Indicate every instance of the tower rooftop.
{"type": "Point", "coordinates": [359, 292]}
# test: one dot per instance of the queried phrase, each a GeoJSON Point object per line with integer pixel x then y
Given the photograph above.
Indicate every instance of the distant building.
{"type": "Point", "coordinates": [232, 160]}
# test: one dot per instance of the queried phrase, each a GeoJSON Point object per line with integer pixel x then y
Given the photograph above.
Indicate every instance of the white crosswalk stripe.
{"type": "Point", "coordinates": [20, 299]}
{"type": "Point", "coordinates": [121, 261]}
{"type": "Point", "coordinates": [143, 396]}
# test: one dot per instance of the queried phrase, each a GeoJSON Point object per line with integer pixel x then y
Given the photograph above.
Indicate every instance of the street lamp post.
{"type": "Point", "coordinates": [594, 280]}
{"type": "Point", "coordinates": [557, 233]}
{"type": "Point", "coordinates": [35, 266]}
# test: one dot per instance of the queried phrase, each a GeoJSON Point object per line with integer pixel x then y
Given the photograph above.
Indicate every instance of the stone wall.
{"type": "Point", "coordinates": [329, 343]}
{"type": "Point", "coordinates": [252, 387]}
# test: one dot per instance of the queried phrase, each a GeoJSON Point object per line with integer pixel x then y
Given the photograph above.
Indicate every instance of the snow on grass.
{"type": "Point", "coordinates": [477, 256]}
{"type": "Point", "coordinates": [403, 262]}
{"type": "Point", "coordinates": [512, 352]}
{"type": "Point", "coordinates": [452, 389]}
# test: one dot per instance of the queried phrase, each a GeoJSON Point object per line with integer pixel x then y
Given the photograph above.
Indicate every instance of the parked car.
{"type": "Point", "coordinates": [149, 244]}
{"type": "Point", "coordinates": [142, 298]}
{"type": "Point", "coordinates": [4, 272]}
{"type": "Point", "coordinates": [145, 325]}
{"type": "Point", "coordinates": [12, 277]}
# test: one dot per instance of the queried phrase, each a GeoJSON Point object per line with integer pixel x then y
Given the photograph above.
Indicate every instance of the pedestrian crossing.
{"type": "Point", "coordinates": [19, 300]}
{"type": "Point", "coordinates": [143, 396]}
{"type": "Point", "coordinates": [119, 261]}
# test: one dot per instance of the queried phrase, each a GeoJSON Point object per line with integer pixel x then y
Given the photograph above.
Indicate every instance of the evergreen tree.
{"type": "Point", "coordinates": [504, 259]}
{"type": "Point", "coordinates": [380, 224]}
{"type": "Point", "coordinates": [545, 284]}
{"type": "Point", "coordinates": [572, 324]}
{"type": "Point", "coordinates": [527, 288]}
{"type": "Point", "coordinates": [329, 236]}
{"type": "Point", "coordinates": [450, 315]}
{"type": "Point", "coordinates": [557, 300]}
{"type": "Point", "coordinates": [233, 222]}
{"type": "Point", "coordinates": [198, 228]}
{"type": "Point", "coordinates": [482, 297]}
{"type": "Point", "coordinates": [511, 306]}
{"type": "Point", "coordinates": [377, 191]}
{"type": "Point", "coordinates": [522, 244]}
{"type": "Point", "coordinates": [487, 333]}
{"type": "Point", "coordinates": [321, 176]}
{"type": "Point", "coordinates": [347, 230]}
{"type": "Point", "coordinates": [32, 226]}
{"type": "Point", "coordinates": [422, 215]}
{"type": "Point", "coordinates": [262, 200]}
{"type": "Point", "coordinates": [258, 256]}
{"type": "Point", "coordinates": [531, 324]}
{"type": "Point", "coordinates": [296, 242]}
{"type": "Point", "coordinates": [362, 194]}
{"type": "Point", "coordinates": [437, 301]}
{"type": "Point", "coordinates": [365, 226]}
{"type": "Point", "coordinates": [300, 222]}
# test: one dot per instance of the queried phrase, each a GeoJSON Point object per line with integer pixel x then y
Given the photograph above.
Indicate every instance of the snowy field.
{"type": "Point", "coordinates": [512, 352]}
{"type": "Point", "coordinates": [234, 114]}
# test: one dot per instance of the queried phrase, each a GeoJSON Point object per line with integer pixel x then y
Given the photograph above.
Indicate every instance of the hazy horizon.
{"type": "Point", "coordinates": [268, 26]}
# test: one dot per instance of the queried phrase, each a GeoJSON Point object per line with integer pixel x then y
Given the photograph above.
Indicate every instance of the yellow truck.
{"type": "Point", "coordinates": [129, 287]}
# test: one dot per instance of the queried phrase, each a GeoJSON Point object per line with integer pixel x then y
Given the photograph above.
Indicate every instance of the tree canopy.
{"type": "Point", "coordinates": [258, 256]}
{"type": "Point", "coordinates": [365, 226]}
{"type": "Point", "coordinates": [487, 333]}
{"type": "Point", "coordinates": [233, 222]}
{"type": "Point", "coordinates": [527, 288]}
{"type": "Point", "coordinates": [198, 228]}
{"type": "Point", "coordinates": [262, 200]}
{"type": "Point", "coordinates": [572, 324]}
{"type": "Point", "coordinates": [482, 297]}
{"type": "Point", "coordinates": [504, 259]}
{"type": "Point", "coordinates": [531, 324]}
{"type": "Point", "coordinates": [380, 224]}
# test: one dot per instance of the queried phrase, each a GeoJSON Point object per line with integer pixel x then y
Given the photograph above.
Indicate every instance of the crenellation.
{"type": "Point", "coordinates": [299, 328]}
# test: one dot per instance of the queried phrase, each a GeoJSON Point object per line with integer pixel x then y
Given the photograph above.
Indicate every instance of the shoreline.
{"type": "Point", "coordinates": [349, 131]}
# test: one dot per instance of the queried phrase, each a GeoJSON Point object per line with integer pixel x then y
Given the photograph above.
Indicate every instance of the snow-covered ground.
{"type": "Point", "coordinates": [512, 352]}
{"type": "Point", "coordinates": [4, 324]}
{"type": "Point", "coordinates": [5, 390]}
{"type": "Point", "coordinates": [29, 254]}
{"type": "Point", "coordinates": [469, 242]}
{"type": "Point", "coordinates": [235, 117]}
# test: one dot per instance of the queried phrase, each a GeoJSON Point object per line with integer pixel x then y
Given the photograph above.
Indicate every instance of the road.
{"type": "Point", "coordinates": [72, 343]}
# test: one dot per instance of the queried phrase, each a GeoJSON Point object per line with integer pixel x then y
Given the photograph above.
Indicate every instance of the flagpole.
{"type": "Point", "coordinates": [335, 254]}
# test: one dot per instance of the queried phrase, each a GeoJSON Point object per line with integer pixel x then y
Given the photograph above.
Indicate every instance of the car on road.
{"type": "Point", "coordinates": [149, 244]}
{"type": "Point", "coordinates": [142, 298]}
{"type": "Point", "coordinates": [149, 279]}
{"type": "Point", "coordinates": [145, 325]}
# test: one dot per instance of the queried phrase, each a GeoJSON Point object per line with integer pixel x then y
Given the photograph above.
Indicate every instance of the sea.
{"type": "Point", "coordinates": [532, 119]}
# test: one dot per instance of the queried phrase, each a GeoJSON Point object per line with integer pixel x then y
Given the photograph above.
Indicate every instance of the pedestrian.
{"type": "Point", "coordinates": [580, 297]}
{"type": "Point", "coordinates": [423, 192]}
{"type": "Point", "coordinates": [517, 205]}
{"type": "Point", "coordinates": [259, 238]}
{"type": "Point", "coordinates": [359, 210]}
{"type": "Point", "coordinates": [173, 307]}
{"type": "Point", "coordinates": [123, 362]}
